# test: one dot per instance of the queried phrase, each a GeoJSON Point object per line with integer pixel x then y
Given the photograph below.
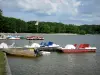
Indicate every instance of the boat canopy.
{"type": "Point", "coordinates": [2, 36]}
{"type": "Point", "coordinates": [3, 45]}
{"type": "Point", "coordinates": [70, 46]}
{"type": "Point", "coordinates": [35, 45]}
{"type": "Point", "coordinates": [46, 43]}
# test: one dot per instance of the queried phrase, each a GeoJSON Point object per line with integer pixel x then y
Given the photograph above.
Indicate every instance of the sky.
{"type": "Point", "coordinates": [65, 11]}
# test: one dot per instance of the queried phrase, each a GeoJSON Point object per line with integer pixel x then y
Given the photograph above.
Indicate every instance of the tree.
{"type": "Point", "coordinates": [0, 12]}
{"type": "Point", "coordinates": [31, 27]}
{"type": "Point", "coordinates": [44, 28]}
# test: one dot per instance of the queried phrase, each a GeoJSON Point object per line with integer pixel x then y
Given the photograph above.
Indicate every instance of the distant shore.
{"type": "Point", "coordinates": [43, 33]}
{"type": "Point", "coordinates": [47, 34]}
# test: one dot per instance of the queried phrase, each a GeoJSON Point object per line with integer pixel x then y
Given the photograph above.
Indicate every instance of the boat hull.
{"type": "Point", "coordinates": [25, 52]}
{"type": "Point", "coordinates": [14, 38]}
{"type": "Point", "coordinates": [50, 49]}
{"type": "Point", "coordinates": [33, 39]}
{"type": "Point", "coordinates": [78, 50]}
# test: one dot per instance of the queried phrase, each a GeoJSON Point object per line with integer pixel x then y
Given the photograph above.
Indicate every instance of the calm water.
{"type": "Point", "coordinates": [59, 64]}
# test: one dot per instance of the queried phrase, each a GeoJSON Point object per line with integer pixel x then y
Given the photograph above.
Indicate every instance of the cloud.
{"type": "Point", "coordinates": [40, 6]}
{"type": "Point", "coordinates": [66, 11]}
{"type": "Point", "coordinates": [90, 7]}
{"type": "Point", "coordinates": [47, 7]}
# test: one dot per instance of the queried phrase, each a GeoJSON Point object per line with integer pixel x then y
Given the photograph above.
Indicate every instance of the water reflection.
{"type": "Point", "coordinates": [71, 64]}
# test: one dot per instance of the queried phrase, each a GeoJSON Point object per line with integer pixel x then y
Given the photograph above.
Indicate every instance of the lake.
{"type": "Point", "coordinates": [58, 63]}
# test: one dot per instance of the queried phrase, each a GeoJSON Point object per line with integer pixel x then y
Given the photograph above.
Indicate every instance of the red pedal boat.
{"type": "Point", "coordinates": [35, 38]}
{"type": "Point", "coordinates": [83, 48]}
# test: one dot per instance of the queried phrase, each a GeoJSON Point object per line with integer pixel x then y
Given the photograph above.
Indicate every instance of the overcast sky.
{"type": "Point", "coordinates": [66, 11]}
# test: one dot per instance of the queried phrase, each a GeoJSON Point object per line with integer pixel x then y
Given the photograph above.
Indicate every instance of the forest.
{"type": "Point", "coordinates": [12, 25]}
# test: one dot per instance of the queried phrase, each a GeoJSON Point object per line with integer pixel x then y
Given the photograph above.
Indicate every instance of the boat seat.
{"type": "Point", "coordinates": [83, 45]}
{"type": "Point", "coordinates": [50, 43]}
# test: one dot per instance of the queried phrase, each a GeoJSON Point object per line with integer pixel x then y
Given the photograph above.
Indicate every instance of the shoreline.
{"type": "Point", "coordinates": [43, 33]}
{"type": "Point", "coordinates": [47, 34]}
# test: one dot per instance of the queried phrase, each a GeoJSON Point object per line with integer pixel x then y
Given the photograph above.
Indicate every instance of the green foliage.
{"type": "Point", "coordinates": [2, 64]}
{"type": "Point", "coordinates": [0, 12]}
{"type": "Point", "coordinates": [45, 28]}
{"type": "Point", "coordinates": [82, 32]}
{"type": "Point", "coordinates": [11, 25]}
{"type": "Point", "coordinates": [31, 27]}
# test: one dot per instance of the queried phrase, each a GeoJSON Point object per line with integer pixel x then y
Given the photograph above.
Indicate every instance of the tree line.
{"type": "Point", "coordinates": [11, 25]}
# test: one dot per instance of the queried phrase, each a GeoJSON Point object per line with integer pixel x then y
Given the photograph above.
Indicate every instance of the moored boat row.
{"type": "Point", "coordinates": [17, 37]}
{"type": "Point", "coordinates": [50, 46]}
{"type": "Point", "coordinates": [36, 49]}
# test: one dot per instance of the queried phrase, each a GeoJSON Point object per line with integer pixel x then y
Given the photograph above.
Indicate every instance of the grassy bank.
{"type": "Point", "coordinates": [2, 63]}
